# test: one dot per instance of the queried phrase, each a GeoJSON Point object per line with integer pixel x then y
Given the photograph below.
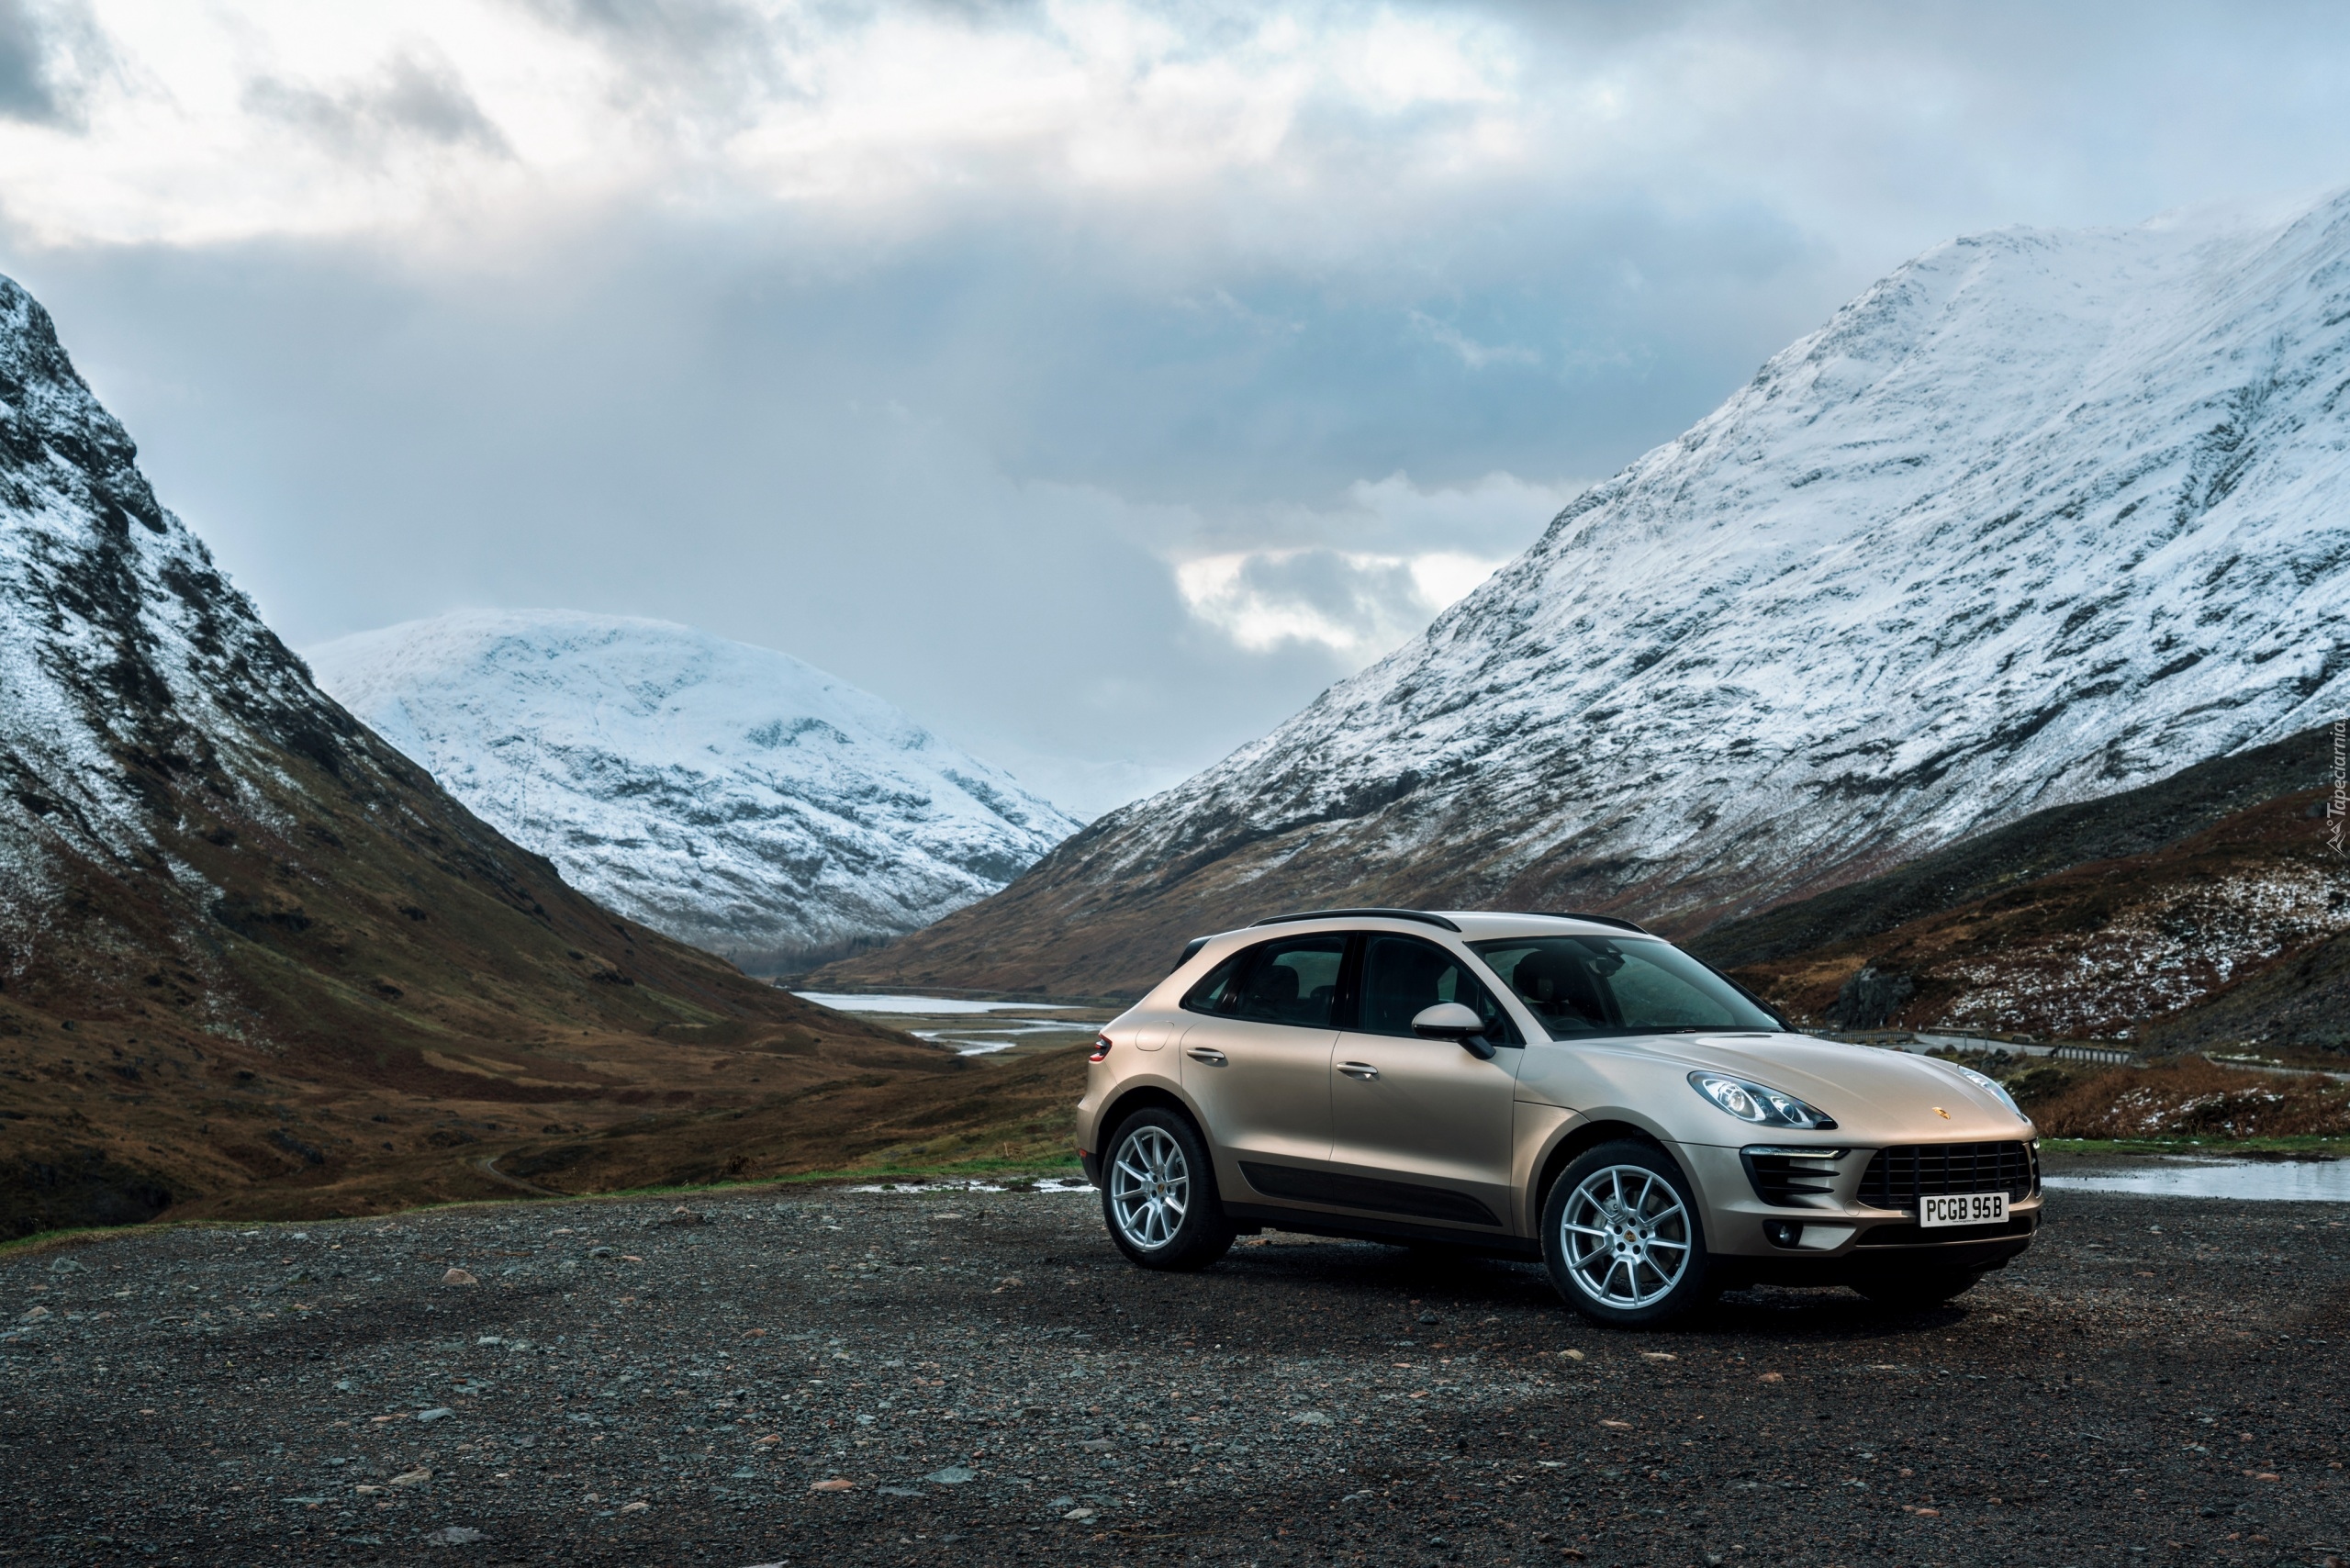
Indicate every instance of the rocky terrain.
{"type": "Point", "coordinates": [2040, 516]}
{"type": "Point", "coordinates": [253, 959]}
{"type": "Point", "coordinates": [835, 1377]}
{"type": "Point", "coordinates": [2206, 911]}
{"type": "Point", "coordinates": [730, 796]}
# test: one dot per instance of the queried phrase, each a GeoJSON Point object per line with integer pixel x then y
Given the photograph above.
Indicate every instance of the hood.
{"type": "Point", "coordinates": [1869, 1091]}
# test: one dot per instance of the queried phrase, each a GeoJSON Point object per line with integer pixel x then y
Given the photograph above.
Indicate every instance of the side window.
{"type": "Point", "coordinates": [1217, 990]}
{"type": "Point", "coordinates": [1403, 977]}
{"type": "Point", "coordinates": [1293, 982]}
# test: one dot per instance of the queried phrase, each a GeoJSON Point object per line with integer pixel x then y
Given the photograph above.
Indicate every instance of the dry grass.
{"type": "Point", "coordinates": [2195, 1098]}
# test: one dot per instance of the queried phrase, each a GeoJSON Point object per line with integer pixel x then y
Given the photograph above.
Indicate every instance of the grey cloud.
{"type": "Point", "coordinates": [953, 463]}
{"type": "Point", "coordinates": [47, 54]}
{"type": "Point", "coordinates": [700, 60]}
{"type": "Point", "coordinates": [411, 98]}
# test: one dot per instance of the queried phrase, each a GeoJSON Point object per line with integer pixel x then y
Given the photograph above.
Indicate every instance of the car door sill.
{"type": "Point", "coordinates": [1347, 1228]}
{"type": "Point", "coordinates": [1407, 1199]}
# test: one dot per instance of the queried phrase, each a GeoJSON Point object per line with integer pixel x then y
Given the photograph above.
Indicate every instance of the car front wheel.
{"type": "Point", "coordinates": [1158, 1193]}
{"type": "Point", "coordinates": [1622, 1239]}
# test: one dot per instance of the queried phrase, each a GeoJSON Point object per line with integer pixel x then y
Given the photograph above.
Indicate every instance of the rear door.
{"type": "Point", "coordinates": [1420, 1129]}
{"type": "Point", "coordinates": [1256, 1060]}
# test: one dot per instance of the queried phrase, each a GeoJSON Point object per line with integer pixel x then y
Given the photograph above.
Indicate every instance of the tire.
{"type": "Point", "coordinates": [1622, 1237]}
{"type": "Point", "coordinates": [1927, 1287]}
{"type": "Point", "coordinates": [1158, 1193]}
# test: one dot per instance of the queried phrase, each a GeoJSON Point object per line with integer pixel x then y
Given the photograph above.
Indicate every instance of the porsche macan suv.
{"type": "Point", "coordinates": [1562, 1087]}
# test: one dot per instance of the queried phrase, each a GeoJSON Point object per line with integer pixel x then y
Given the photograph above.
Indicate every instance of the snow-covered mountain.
{"type": "Point", "coordinates": [2038, 516]}
{"type": "Point", "coordinates": [730, 796]}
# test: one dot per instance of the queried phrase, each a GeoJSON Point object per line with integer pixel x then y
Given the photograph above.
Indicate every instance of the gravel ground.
{"type": "Point", "coordinates": [829, 1377]}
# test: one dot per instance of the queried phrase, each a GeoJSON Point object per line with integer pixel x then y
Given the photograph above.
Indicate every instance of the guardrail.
{"type": "Point", "coordinates": [2111, 1055]}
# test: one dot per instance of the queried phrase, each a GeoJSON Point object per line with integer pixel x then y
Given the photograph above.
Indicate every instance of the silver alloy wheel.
{"type": "Point", "coordinates": [1625, 1236]}
{"type": "Point", "coordinates": [1150, 1187]}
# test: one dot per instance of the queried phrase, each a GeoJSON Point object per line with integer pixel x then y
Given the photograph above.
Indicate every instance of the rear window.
{"type": "Point", "coordinates": [1581, 986]}
{"type": "Point", "coordinates": [1293, 982]}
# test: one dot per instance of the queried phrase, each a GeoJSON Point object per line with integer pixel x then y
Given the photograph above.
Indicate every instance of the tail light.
{"type": "Point", "coordinates": [1101, 1049]}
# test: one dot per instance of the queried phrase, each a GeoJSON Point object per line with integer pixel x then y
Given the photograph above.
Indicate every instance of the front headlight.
{"type": "Point", "coordinates": [1753, 1103]}
{"type": "Point", "coordinates": [1990, 1086]}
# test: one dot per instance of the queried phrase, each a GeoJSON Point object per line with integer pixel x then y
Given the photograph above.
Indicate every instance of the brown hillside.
{"type": "Point", "coordinates": [381, 993]}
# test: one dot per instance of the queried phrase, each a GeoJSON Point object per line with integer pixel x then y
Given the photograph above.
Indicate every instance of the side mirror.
{"type": "Point", "coordinates": [1451, 1021]}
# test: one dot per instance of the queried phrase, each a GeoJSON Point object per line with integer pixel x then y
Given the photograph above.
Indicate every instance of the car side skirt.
{"type": "Point", "coordinates": [1349, 1228]}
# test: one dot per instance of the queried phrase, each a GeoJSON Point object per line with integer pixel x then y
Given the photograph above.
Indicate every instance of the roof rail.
{"type": "Point", "coordinates": [1422, 916]}
{"type": "Point", "coordinates": [1618, 922]}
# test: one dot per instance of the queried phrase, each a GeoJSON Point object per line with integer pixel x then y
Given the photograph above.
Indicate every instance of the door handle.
{"type": "Point", "coordinates": [1207, 1054]}
{"type": "Point", "coordinates": [1362, 1070]}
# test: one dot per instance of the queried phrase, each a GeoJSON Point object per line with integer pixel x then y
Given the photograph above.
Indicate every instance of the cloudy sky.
{"type": "Point", "coordinates": [1096, 381]}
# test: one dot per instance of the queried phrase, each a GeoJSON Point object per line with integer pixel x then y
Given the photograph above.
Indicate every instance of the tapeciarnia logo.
{"type": "Point", "coordinates": [2337, 809]}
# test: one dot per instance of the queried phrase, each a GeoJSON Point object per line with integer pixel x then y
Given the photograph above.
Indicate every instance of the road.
{"type": "Point", "coordinates": [828, 1377]}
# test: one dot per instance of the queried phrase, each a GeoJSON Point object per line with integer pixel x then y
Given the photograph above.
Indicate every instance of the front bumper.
{"type": "Point", "coordinates": [1806, 1233]}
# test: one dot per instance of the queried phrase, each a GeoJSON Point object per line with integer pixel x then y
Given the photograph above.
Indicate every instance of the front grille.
{"type": "Point", "coordinates": [1896, 1178]}
{"type": "Point", "coordinates": [1784, 1178]}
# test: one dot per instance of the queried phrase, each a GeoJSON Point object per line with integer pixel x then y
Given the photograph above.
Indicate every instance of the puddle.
{"type": "Point", "coordinates": [982, 1184]}
{"type": "Point", "coordinates": [2278, 1180]}
{"type": "Point", "coordinates": [928, 1006]}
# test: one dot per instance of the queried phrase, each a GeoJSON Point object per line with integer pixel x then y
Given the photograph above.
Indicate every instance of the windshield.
{"type": "Point", "coordinates": [1583, 986]}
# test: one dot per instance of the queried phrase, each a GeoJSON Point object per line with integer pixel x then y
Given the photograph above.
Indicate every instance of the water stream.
{"type": "Point", "coordinates": [2275, 1180]}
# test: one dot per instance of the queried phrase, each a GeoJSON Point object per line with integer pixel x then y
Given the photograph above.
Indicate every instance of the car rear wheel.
{"type": "Point", "coordinates": [1622, 1239]}
{"type": "Point", "coordinates": [1158, 1193]}
{"type": "Point", "coordinates": [1927, 1287]}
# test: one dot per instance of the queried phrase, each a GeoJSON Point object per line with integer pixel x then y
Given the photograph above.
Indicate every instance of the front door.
{"type": "Point", "coordinates": [1420, 1129]}
{"type": "Point", "coordinates": [1256, 1060]}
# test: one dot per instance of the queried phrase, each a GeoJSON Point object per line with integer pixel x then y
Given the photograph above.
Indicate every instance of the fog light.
{"type": "Point", "coordinates": [1782, 1232]}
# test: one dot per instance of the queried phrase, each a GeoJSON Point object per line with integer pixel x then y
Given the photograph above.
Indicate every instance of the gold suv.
{"type": "Point", "coordinates": [1566, 1087]}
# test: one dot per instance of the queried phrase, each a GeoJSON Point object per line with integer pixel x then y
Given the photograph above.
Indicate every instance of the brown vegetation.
{"type": "Point", "coordinates": [2194, 1098]}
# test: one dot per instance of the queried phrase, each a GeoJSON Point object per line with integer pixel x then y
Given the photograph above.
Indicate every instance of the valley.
{"type": "Point", "coordinates": [265, 957]}
{"type": "Point", "coordinates": [254, 961]}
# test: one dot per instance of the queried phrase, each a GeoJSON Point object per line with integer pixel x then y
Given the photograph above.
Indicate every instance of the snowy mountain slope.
{"type": "Point", "coordinates": [127, 663]}
{"type": "Point", "coordinates": [730, 796]}
{"type": "Point", "coordinates": [2038, 516]}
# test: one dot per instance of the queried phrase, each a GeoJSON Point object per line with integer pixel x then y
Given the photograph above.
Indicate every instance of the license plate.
{"type": "Point", "coordinates": [1963, 1208]}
